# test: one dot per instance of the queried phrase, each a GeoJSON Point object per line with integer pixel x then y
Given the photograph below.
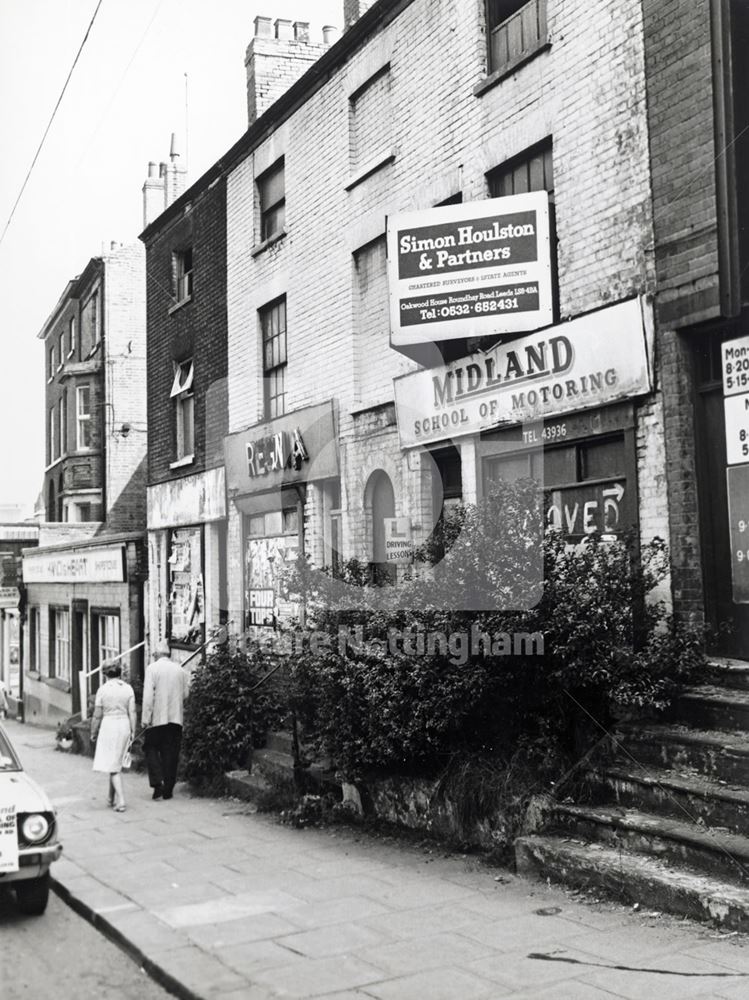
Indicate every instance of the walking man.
{"type": "Point", "coordinates": [164, 691]}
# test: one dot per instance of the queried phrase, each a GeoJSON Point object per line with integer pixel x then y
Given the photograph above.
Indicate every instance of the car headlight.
{"type": "Point", "coordinates": [35, 828]}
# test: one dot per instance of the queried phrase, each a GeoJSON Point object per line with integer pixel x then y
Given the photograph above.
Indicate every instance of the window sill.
{"type": "Point", "coordinates": [187, 460]}
{"type": "Point", "coordinates": [511, 67]}
{"type": "Point", "coordinates": [370, 168]}
{"type": "Point", "coordinates": [275, 238]}
{"type": "Point", "coordinates": [56, 682]}
{"type": "Point", "coordinates": [178, 305]}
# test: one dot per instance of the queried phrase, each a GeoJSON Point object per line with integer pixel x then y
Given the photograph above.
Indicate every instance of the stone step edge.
{"type": "Point", "coordinates": [651, 824]}
{"type": "Point", "coordinates": [634, 878]}
{"type": "Point", "coordinates": [712, 694]}
{"type": "Point", "coordinates": [734, 741]}
{"type": "Point", "coordinates": [705, 788]}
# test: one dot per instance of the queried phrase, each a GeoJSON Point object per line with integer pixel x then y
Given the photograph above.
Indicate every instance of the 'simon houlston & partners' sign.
{"type": "Point", "coordinates": [595, 359]}
{"type": "Point", "coordinates": [470, 270]}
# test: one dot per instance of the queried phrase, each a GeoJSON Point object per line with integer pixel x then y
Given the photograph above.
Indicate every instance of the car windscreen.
{"type": "Point", "coordinates": [8, 759]}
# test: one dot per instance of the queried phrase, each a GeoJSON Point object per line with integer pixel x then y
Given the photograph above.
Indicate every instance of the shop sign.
{"type": "Point", "coordinates": [736, 409]}
{"type": "Point", "coordinates": [261, 606]}
{"type": "Point", "coordinates": [399, 545]}
{"type": "Point", "coordinates": [587, 362]}
{"type": "Point", "coordinates": [96, 565]}
{"type": "Point", "coordinates": [8, 839]}
{"type": "Point", "coordinates": [469, 270]}
{"type": "Point", "coordinates": [9, 597]}
{"type": "Point", "coordinates": [295, 448]}
{"type": "Point", "coordinates": [189, 500]}
{"type": "Point", "coordinates": [738, 522]}
{"type": "Point", "coordinates": [588, 509]}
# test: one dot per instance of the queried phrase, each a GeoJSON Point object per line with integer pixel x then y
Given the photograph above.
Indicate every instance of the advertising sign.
{"type": "Point", "coordinates": [8, 839]}
{"type": "Point", "coordinates": [104, 564]}
{"type": "Point", "coordinates": [588, 362]}
{"type": "Point", "coordinates": [469, 270]}
{"type": "Point", "coordinates": [736, 410]}
{"type": "Point", "coordinates": [9, 597]}
{"type": "Point", "coordinates": [588, 509]}
{"type": "Point", "coordinates": [399, 546]}
{"type": "Point", "coordinates": [738, 522]}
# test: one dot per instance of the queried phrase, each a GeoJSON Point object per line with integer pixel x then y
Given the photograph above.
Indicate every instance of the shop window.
{"type": "Point", "coordinates": [271, 547]}
{"type": "Point", "coordinates": [83, 417]}
{"type": "Point", "coordinates": [516, 29]}
{"type": "Point", "coordinates": [184, 410]}
{"type": "Point", "coordinates": [273, 327]}
{"type": "Point", "coordinates": [271, 188]}
{"type": "Point", "coordinates": [106, 636]}
{"type": "Point", "coordinates": [186, 596]}
{"type": "Point", "coordinates": [59, 631]}
{"type": "Point", "coordinates": [334, 553]}
{"type": "Point", "coordinates": [182, 266]}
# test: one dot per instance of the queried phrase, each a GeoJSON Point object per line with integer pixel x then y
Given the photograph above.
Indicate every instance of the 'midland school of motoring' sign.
{"type": "Point", "coordinates": [470, 269]}
{"type": "Point", "coordinates": [590, 361]}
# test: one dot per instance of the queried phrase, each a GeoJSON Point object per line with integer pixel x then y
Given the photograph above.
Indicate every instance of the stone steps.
{"type": "Point", "coordinates": [718, 755]}
{"type": "Point", "coordinates": [669, 826]}
{"type": "Point", "coordinates": [634, 878]}
{"type": "Point", "coordinates": [679, 842]}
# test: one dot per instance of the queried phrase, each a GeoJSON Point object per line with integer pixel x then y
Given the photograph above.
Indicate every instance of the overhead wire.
{"type": "Point", "coordinates": [51, 120]}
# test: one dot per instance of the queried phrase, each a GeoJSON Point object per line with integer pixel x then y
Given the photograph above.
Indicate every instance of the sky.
{"type": "Point", "coordinates": [126, 96]}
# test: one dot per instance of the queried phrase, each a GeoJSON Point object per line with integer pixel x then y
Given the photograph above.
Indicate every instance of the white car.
{"type": "Point", "coordinates": [28, 833]}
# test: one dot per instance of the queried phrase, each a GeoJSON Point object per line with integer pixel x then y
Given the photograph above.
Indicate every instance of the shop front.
{"type": "Point", "coordinates": [84, 604]}
{"type": "Point", "coordinates": [283, 485]}
{"type": "Point", "coordinates": [557, 406]}
{"type": "Point", "coordinates": [187, 561]}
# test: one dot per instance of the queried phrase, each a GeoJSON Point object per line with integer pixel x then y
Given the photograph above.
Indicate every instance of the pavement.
{"type": "Point", "coordinates": [217, 902]}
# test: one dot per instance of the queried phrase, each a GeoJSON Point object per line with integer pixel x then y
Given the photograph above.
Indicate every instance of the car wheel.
{"type": "Point", "coordinates": [32, 895]}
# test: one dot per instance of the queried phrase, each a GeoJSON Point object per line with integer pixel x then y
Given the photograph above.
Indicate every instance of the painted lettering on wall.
{"type": "Point", "coordinates": [283, 450]}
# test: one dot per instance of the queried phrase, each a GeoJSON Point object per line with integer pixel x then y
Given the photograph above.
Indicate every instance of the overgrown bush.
{"type": "Point", "coordinates": [371, 703]}
{"type": "Point", "coordinates": [230, 708]}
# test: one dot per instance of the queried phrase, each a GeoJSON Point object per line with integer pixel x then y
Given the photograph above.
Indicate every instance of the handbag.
{"type": "Point", "coordinates": [127, 757]}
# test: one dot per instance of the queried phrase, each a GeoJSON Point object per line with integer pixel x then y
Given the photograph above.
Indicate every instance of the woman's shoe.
{"type": "Point", "coordinates": [120, 808]}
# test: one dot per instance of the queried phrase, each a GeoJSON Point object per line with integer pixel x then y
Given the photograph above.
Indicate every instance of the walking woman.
{"type": "Point", "coordinates": [112, 726]}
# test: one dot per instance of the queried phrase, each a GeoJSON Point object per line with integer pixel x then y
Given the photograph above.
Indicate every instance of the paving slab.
{"type": "Point", "coordinates": [218, 902]}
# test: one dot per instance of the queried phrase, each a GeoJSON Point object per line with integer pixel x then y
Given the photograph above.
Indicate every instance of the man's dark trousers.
{"type": "Point", "coordinates": [162, 745]}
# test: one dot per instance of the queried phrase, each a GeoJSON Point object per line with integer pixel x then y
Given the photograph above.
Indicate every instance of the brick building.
{"type": "Point", "coordinates": [337, 422]}
{"type": "Point", "coordinates": [84, 582]}
{"type": "Point", "coordinates": [187, 414]}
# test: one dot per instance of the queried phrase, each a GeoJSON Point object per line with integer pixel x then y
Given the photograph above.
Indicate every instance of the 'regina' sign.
{"type": "Point", "coordinates": [470, 270]}
{"type": "Point", "coordinates": [587, 362]}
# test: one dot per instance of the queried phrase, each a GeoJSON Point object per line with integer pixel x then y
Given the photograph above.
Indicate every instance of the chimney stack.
{"type": "Point", "coordinates": [163, 187]}
{"type": "Point", "coordinates": [277, 56]}
{"type": "Point", "coordinates": [353, 10]}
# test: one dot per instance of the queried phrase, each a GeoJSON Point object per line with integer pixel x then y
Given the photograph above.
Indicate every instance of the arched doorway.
{"type": "Point", "coordinates": [380, 503]}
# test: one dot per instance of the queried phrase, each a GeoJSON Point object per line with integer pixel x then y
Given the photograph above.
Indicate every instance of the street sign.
{"type": "Point", "coordinates": [736, 410]}
{"type": "Point", "coordinates": [399, 546]}
{"type": "Point", "coordinates": [738, 521]}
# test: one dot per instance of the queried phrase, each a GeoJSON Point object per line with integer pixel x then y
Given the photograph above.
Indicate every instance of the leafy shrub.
{"type": "Point", "coordinates": [404, 706]}
{"type": "Point", "coordinates": [230, 707]}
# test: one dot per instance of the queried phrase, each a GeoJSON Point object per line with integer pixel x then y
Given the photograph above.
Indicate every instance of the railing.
{"type": "Point", "coordinates": [518, 35]}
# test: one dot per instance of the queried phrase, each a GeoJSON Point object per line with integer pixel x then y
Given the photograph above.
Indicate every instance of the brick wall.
{"type": "Point", "coordinates": [125, 387]}
{"type": "Point", "coordinates": [587, 92]}
{"type": "Point", "coordinates": [194, 330]}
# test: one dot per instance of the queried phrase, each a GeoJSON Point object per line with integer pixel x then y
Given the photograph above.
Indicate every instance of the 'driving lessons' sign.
{"type": "Point", "coordinates": [471, 269]}
{"type": "Point", "coordinates": [8, 839]}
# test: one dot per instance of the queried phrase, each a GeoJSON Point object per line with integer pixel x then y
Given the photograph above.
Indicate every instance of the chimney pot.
{"type": "Point", "coordinates": [301, 31]}
{"type": "Point", "coordinates": [329, 33]}
{"type": "Point", "coordinates": [151, 168]}
{"type": "Point", "coordinates": [263, 27]}
{"type": "Point", "coordinates": [283, 29]}
{"type": "Point", "coordinates": [162, 169]}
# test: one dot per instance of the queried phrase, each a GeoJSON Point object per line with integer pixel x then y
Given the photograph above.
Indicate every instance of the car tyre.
{"type": "Point", "coordinates": [32, 895]}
